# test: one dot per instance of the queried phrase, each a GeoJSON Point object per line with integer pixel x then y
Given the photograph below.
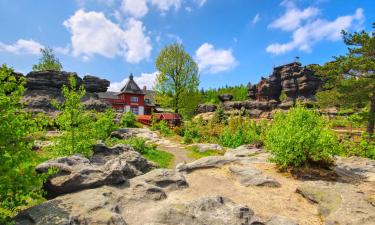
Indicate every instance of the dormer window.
{"type": "Point", "coordinates": [134, 99]}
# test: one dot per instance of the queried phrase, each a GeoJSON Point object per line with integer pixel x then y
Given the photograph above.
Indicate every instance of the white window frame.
{"type": "Point", "coordinates": [135, 110]}
{"type": "Point", "coordinates": [134, 99]}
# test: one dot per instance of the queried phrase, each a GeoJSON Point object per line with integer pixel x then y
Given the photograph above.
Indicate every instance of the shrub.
{"type": "Point", "coordinates": [128, 119]}
{"type": "Point", "coordinates": [162, 127]}
{"type": "Point", "coordinates": [365, 147]}
{"type": "Point", "coordinates": [300, 137]}
{"type": "Point", "coordinates": [20, 186]}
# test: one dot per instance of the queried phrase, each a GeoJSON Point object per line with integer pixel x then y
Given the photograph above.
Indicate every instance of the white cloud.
{"type": "Point", "coordinates": [146, 79]}
{"type": "Point", "coordinates": [138, 44]}
{"type": "Point", "coordinates": [317, 30]}
{"type": "Point", "coordinates": [92, 33]}
{"type": "Point", "coordinates": [136, 8]}
{"type": "Point", "coordinates": [62, 50]}
{"type": "Point", "coordinates": [22, 46]}
{"type": "Point", "coordinates": [293, 17]}
{"type": "Point", "coordinates": [165, 5]}
{"type": "Point", "coordinates": [200, 3]}
{"type": "Point", "coordinates": [256, 19]}
{"type": "Point", "coordinates": [214, 60]}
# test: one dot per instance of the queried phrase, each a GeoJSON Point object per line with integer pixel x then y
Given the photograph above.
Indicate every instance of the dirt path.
{"type": "Point", "coordinates": [175, 148]}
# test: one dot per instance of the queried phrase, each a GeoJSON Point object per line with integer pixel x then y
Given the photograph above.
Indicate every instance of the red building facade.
{"type": "Point", "coordinates": [132, 98]}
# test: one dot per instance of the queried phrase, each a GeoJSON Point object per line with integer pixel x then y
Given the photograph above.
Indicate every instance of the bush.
{"type": "Point", "coordinates": [365, 147]}
{"type": "Point", "coordinates": [128, 119]}
{"type": "Point", "coordinates": [300, 137]}
{"type": "Point", "coordinates": [20, 185]}
{"type": "Point", "coordinates": [162, 127]}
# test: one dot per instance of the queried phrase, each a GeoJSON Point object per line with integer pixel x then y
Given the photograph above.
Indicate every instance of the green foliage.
{"type": "Point", "coordinates": [282, 96]}
{"type": "Point", "coordinates": [350, 79]}
{"type": "Point", "coordinates": [162, 127]}
{"type": "Point", "coordinates": [178, 80]}
{"type": "Point", "coordinates": [196, 154]}
{"type": "Point", "coordinates": [300, 137]}
{"type": "Point", "coordinates": [161, 158]}
{"type": "Point", "coordinates": [240, 131]}
{"type": "Point", "coordinates": [48, 61]}
{"type": "Point", "coordinates": [365, 147]}
{"type": "Point", "coordinates": [219, 116]}
{"type": "Point", "coordinates": [128, 119]}
{"type": "Point", "coordinates": [81, 129]}
{"type": "Point", "coordinates": [210, 96]}
{"type": "Point", "coordinates": [20, 186]}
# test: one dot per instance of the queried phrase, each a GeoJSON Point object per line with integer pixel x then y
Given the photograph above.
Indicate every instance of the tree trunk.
{"type": "Point", "coordinates": [371, 119]}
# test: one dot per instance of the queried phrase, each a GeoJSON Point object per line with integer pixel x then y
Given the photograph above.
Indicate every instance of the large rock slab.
{"type": "Point", "coordinates": [249, 176]}
{"type": "Point", "coordinates": [209, 211]}
{"type": "Point", "coordinates": [244, 151]}
{"type": "Point", "coordinates": [205, 108]}
{"type": "Point", "coordinates": [204, 147]}
{"type": "Point", "coordinates": [95, 84]}
{"type": "Point", "coordinates": [355, 167]}
{"type": "Point", "coordinates": [339, 203]}
{"type": "Point", "coordinates": [108, 166]}
{"type": "Point", "coordinates": [106, 204]}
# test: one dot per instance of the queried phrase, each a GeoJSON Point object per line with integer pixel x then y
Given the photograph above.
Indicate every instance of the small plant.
{"type": "Point", "coordinates": [48, 61]}
{"type": "Point", "coordinates": [162, 127]}
{"type": "Point", "coordinates": [299, 138]}
{"type": "Point", "coordinates": [128, 119]}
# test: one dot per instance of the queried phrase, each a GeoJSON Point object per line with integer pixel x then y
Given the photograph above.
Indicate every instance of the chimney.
{"type": "Point", "coordinates": [144, 88]}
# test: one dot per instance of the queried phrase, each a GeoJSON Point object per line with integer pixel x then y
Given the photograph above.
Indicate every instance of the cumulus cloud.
{"type": "Point", "coordinates": [310, 32]}
{"type": "Point", "coordinates": [165, 5]}
{"type": "Point", "coordinates": [214, 60]}
{"type": "Point", "coordinates": [293, 17]}
{"type": "Point", "coordinates": [22, 46]}
{"type": "Point", "coordinates": [92, 33]}
{"type": "Point", "coordinates": [256, 19]}
{"type": "Point", "coordinates": [146, 79]}
{"type": "Point", "coordinates": [136, 8]}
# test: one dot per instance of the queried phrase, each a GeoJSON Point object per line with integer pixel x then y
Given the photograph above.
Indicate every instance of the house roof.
{"type": "Point", "coordinates": [131, 87]}
{"type": "Point", "coordinates": [108, 95]}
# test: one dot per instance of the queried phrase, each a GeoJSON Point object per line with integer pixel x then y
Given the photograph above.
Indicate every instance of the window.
{"type": "Point", "coordinates": [147, 101]}
{"type": "Point", "coordinates": [134, 110]}
{"type": "Point", "coordinates": [134, 99]}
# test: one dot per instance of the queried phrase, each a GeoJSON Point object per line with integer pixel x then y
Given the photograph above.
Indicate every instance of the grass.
{"type": "Point", "coordinates": [196, 154]}
{"type": "Point", "coordinates": [161, 158]}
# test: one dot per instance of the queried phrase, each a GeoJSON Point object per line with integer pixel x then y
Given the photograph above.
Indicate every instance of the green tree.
{"type": "Point", "coordinates": [178, 80]}
{"type": "Point", "coordinates": [74, 121]}
{"type": "Point", "coordinates": [48, 61]}
{"type": "Point", "coordinates": [350, 78]}
{"type": "Point", "coordinates": [19, 184]}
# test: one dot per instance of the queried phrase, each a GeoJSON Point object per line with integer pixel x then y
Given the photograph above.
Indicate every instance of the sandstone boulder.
{"type": "Point", "coordinates": [249, 176]}
{"type": "Point", "coordinates": [108, 166]}
{"type": "Point", "coordinates": [205, 108]}
{"type": "Point", "coordinates": [244, 151]}
{"type": "Point", "coordinates": [225, 97]}
{"type": "Point", "coordinates": [95, 84]}
{"type": "Point", "coordinates": [355, 167]}
{"type": "Point", "coordinates": [209, 211]}
{"type": "Point", "coordinates": [339, 203]}
{"type": "Point", "coordinates": [203, 147]}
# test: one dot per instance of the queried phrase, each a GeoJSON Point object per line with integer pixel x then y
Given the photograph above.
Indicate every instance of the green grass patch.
{"type": "Point", "coordinates": [160, 158]}
{"type": "Point", "coordinates": [196, 154]}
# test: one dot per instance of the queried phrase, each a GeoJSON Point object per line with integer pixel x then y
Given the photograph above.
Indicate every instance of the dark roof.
{"type": "Point", "coordinates": [131, 87]}
{"type": "Point", "coordinates": [108, 95]}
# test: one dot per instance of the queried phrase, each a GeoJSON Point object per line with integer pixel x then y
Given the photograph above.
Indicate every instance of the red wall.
{"type": "Point", "coordinates": [126, 98]}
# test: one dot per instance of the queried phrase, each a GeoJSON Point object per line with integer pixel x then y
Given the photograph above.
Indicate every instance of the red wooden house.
{"type": "Point", "coordinates": [131, 98]}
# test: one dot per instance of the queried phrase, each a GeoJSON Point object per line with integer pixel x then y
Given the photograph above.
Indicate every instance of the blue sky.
{"type": "Point", "coordinates": [233, 41]}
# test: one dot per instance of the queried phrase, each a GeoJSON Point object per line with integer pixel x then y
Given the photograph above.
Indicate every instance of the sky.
{"type": "Point", "coordinates": [233, 41]}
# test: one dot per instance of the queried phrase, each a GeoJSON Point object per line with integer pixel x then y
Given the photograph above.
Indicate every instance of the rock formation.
{"type": "Point", "coordinates": [294, 80]}
{"type": "Point", "coordinates": [44, 86]}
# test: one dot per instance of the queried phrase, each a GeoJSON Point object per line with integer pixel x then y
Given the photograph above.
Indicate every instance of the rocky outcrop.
{"type": "Point", "coordinates": [225, 97]}
{"type": "Point", "coordinates": [210, 211]}
{"type": "Point", "coordinates": [95, 84]}
{"type": "Point", "coordinates": [205, 108]}
{"type": "Point", "coordinates": [203, 147]}
{"type": "Point", "coordinates": [355, 167]}
{"type": "Point", "coordinates": [339, 203]}
{"type": "Point", "coordinates": [107, 166]}
{"type": "Point", "coordinates": [44, 86]}
{"type": "Point", "coordinates": [244, 151]}
{"type": "Point", "coordinates": [106, 205]}
{"type": "Point", "coordinates": [252, 177]}
{"type": "Point", "coordinates": [292, 79]}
